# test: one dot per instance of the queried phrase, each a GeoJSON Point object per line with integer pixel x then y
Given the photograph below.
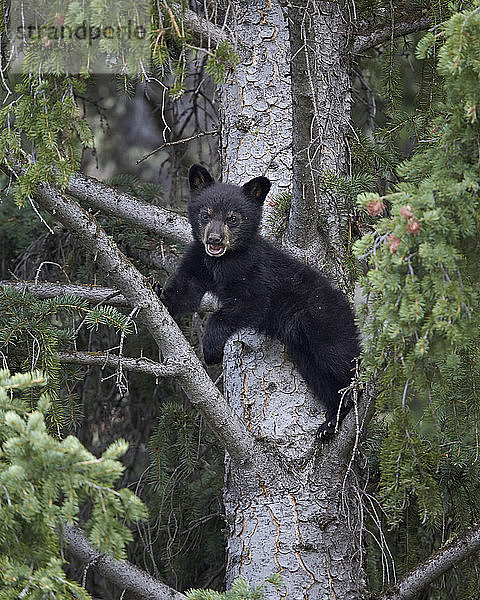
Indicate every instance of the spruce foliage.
{"type": "Point", "coordinates": [186, 477]}
{"type": "Point", "coordinates": [240, 590]}
{"type": "Point", "coordinates": [32, 331]}
{"type": "Point", "coordinates": [44, 482]}
{"type": "Point", "coordinates": [421, 326]}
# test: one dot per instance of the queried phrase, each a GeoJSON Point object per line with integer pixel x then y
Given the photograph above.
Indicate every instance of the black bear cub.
{"type": "Point", "coordinates": [262, 287]}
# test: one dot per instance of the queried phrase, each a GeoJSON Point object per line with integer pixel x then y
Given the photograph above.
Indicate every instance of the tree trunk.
{"type": "Point", "coordinates": [298, 517]}
{"type": "Point", "coordinates": [295, 517]}
{"type": "Point", "coordinates": [318, 224]}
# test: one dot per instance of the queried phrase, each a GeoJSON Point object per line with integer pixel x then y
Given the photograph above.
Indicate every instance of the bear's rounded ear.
{"type": "Point", "coordinates": [257, 189]}
{"type": "Point", "coordinates": [199, 178]}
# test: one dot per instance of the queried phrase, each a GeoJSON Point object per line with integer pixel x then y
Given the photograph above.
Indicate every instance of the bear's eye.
{"type": "Point", "coordinates": [204, 216]}
{"type": "Point", "coordinates": [232, 220]}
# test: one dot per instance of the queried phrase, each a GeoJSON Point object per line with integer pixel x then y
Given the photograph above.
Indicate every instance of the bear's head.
{"type": "Point", "coordinates": [224, 217]}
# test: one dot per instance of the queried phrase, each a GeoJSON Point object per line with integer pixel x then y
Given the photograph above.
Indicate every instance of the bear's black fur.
{"type": "Point", "coordinates": [262, 287]}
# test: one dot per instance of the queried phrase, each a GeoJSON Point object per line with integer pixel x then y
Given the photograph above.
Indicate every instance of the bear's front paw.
{"type": "Point", "coordinates": [212, 350]}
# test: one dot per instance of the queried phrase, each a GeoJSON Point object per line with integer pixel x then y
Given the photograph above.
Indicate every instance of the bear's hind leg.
{"type": "Point", "coordinates": [325, 371]}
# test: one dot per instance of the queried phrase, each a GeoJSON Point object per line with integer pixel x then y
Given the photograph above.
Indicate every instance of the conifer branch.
{"type": "Point", "coordinates": [122, 573]}
{"type": "Point", "coordinates": [153, 219]}
{"type": "Point", "coordinates": [435, 566]}
{"type": "Point", "coordinates": [91, 293]}
{"type": "Point", "coordinates": [136, 365]}
{"type": "Point", "coordinates": [365, 41]}
{"type": "Point", "coordinates": [196, 383]}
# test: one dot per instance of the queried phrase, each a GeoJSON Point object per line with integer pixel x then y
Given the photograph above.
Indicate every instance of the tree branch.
{"type": "Point", "coordinates": [121, 573]}
{"type": "Point", "coordinates": [105, 359]}
{"type": "Point", "coordinates": [176, 142]}
{"type": "Point", "coordinates": [153, 219]}
{"type": "Point", "coordinates": [92, 294]}
{"type": "Point", "coordinates": [198, 386]}
{"type": "Point", "coordinates": [164, 261]}
{"type": "Point", "coordinates": [365, 41]}
{"type": "Point", "coordinates": [435, 566]}
{"type": "Point", "coordinates": [204, 32]}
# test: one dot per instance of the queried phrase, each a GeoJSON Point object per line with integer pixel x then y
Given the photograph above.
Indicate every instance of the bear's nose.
{"type": "Point", "coordinates": [214, 238]}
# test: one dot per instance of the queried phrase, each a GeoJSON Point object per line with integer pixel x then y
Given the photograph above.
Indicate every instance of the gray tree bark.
{"type": "Point", "coordinates": [298, 518]}
{"type": "Point", "coordinates": [321, 101]}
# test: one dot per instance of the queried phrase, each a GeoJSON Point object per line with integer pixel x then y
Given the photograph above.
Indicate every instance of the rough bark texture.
{"type": "Point", "coordinates": [292, 519]}
{"type": "Point", "coordinates": [256, 99]}
{"type": "Point", "coordinates": [318, 225]}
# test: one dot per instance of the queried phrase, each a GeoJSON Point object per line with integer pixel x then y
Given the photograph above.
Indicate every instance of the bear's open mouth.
{"type": "Point", "coordinates": [214, 250]}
